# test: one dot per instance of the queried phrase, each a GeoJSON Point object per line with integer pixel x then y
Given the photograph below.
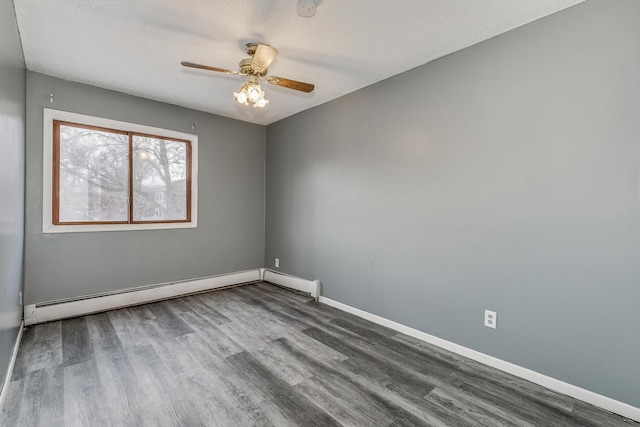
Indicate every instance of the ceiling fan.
{"type": "Point", "coordinates": [255, 68]}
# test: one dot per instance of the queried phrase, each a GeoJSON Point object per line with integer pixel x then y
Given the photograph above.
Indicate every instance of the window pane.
{"type": "Point", "coordinates": [93, 175]}
{"type": "Point", "coordinates": [159, 179]}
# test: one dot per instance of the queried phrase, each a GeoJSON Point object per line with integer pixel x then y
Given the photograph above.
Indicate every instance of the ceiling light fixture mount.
{"type": "Point", "coordinates": [306, 8]}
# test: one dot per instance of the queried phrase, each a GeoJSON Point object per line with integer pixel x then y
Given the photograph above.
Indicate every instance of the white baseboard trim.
{"type": "Point", "coordinates": [312, 287]}
{"type": "Point", "coordinates": [56, 310]}
{"type": "Point", "coordinates": [12, 364]}
{"type": "Point", "coordinates": [595, 399]}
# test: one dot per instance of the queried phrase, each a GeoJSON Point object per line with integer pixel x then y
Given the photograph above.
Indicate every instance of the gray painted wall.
{"type": "Point", "coordinates": [12, 124]}
{"type": "Point", "coordinates": [230, 231]}
{"type": "Point", "coordinates": [504, 177]}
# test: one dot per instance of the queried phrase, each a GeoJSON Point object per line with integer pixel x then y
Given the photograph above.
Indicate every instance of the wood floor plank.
{"type": "Point", "coordinates": [228, 304]}
{"type": "Point", "coordinates": [167, 319]}
{"type": "Point", "coordinates": [407, 400]}
{"type": "Point", "coordinates": [163, 338]}
{"type": "Point", "coordinates": [104, 337]}
{"type": "Point", "coordinates": [293, 404]}
{"type": "Point", "coordinates": [483, 372]}
{"type": "Point", "coordinates": [370, 337]}
{"type": "Point", "coordinates": [14, 403]}
{"type": "Point", "coordinates": [176, 402]}
{"type": "Point", "coordinates": [222, 343]}
{"type": "Point", "coordinates": [472, 411]}
{"type": "Point", "coordinates": [76, 344]}
{"type": "Point", "coordinates": [281, 364]}
{"type": "Point", "coordinates": [590, 415]}
{"type": "Point", "coordinates": [379, 364]}
{"type": "Point", "coordinates": [336, 393]}
{"type": "Point", "coordinates": [308, 353]}
{"type": "Point", "coordinates": [127, 327]}
{"type": "Point", "coordinates": [242, 404]}
{"type": "Point", "coordinates": [257, 318]}
{"type": "Point", "coordinates": [344, 401]}
{"type": "Point", "coordinates": [438, 352]}
{"type": "Point", "coordinates": [115, 372]}
{"type": "Point", "coordinates": [213, 410]}
{"type": "Point", "coordinates": [518, 386]}
{"type": "Point", "coordinates": [246, 335]}
{"type": "Point", "coordinates": [83, 395]}
{"type": "Point", "coordinates": [365, 384]}
{"type": "Point", "coordinates": [46, 348]}
{"type": "Point", "coordinates": [281, 310]}
{"type": "Point", "coordinates": [43, 401]}
{"type": "Point", "coordinates": [318, 349]}
{"type": "Point", "coordinates": [143, 312]}
{"type": "Point", "coordinates": [519, 404]}
{"type": "Point", "coordinates": [158, 407]}
{"type": "Point", "coordinates": [259, 355]}
{"type": "Point", "coordinates": [197, 304]}
{"type": "Point", "coordinates": [303, 309]}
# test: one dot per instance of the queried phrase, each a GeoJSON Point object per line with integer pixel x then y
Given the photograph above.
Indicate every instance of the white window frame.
{"type": "Point", "coordinates": [48, 226]}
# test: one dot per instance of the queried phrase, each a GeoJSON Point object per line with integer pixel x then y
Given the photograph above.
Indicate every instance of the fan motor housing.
{"type": "Point", "coordinates": [250, 48]}
{"type": "Point", "coordinates": [247, 67]}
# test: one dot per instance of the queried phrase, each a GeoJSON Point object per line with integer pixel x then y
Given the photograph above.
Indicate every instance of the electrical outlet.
{"type": "Point", "coordinates": [490, 319]}
{"type": "Point", "coordinates": [277, 263]}
{"type": "Point", "coordinates": [20, 297]}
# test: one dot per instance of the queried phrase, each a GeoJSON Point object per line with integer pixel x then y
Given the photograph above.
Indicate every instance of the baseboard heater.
{"type": "Point", "coordinates": [311, 287]}
{"type": "Point", "coordinates": [65, 308]}
{"type": "Point", "coordinates": [62, 309]}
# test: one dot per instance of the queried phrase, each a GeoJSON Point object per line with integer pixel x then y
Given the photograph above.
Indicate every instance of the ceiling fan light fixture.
{"type": "Point", "coordinates": [261, 103]}
{"type": "Point", "coordinates": [255, 92]}
{"type": "Point", "coordinates": [255, 68]}
{"type": "Point", "coordinates": [242, 96]}
{"type": "Point", "coordinates": [251, 92]}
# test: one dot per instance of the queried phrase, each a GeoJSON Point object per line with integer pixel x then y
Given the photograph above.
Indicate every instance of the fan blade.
{"type": "Point", "coordinates": [206, 67]}
{"type": "Point", "coordinates": [291, 84]}
{"type": "Point", "coordinates": [263, 57]}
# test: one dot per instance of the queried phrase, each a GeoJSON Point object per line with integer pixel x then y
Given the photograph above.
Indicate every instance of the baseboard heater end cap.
{"type": "Point", "coordinates": [316, 287]}
{"type": "Point", "coordinates": [30, 315]}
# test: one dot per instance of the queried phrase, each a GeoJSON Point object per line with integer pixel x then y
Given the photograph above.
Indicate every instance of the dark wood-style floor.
{"type": "Point", "coordinates": [261, 355]}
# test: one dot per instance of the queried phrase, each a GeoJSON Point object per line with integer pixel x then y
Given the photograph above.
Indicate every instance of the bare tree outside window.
{"type": "Point", "coordinates": [111, 176]}
{"type": "Point", "coordinates": [159, 179]}
{"type": "Point", "coordinates": [93, 175]}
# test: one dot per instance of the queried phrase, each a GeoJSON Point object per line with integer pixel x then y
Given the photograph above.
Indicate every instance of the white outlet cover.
{"type": "Point", "coordinates": [277, 262]}
{"type": "Point", "coordinates": [490, 319]}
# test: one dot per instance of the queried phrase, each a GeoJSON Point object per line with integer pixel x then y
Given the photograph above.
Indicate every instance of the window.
{"type": "Point", "coordinates": [110, 176]}
{"type": "Point", "coordinates": [107, 175]}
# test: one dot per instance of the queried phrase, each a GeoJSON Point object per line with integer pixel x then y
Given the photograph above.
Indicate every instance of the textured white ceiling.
{"type": "Point", "coordinates": [136, 46]}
